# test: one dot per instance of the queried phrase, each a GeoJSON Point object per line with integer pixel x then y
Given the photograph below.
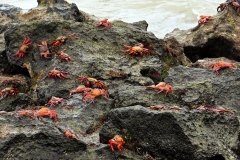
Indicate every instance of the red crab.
{"type": "Point", "coordinates": [62, 39]}
{"type": "Point", "coordinates": [68, 134]}
{"type": "Point", "coordinates": [92, 82]}
{"type": "Point", "coordinates": [105, 23]}
{"type": "Point", "coordinates": [26, 112]}
{"type": "Point", "coordinates": [54, 101]}
{"type": "Point", "coordinates": [236, 5]}
{"type": "Point", "coordinates": [162, 86]}
{"type": "Point", "coordinates": [91, 95]}
{"type": "Point", "coordinates": [80, 89]}
{"type": "Point", "coordinates": [8, 91]}
{"type": "Point", "coordinates": [221, 65]}
{"type": "Point", "coordinates": [212, 109]}
{"type": "Point", "coordinates": [117, 141]}
{"type": "Point", "coordinates": [165, 107]}
{"type": "Point", "coordinates": [204, 19]}
{"type": "Point", "coordinates": [25, 45]}
{"type": "Point", "coordinates": [57, 74]}
{"type": "Point", "coordinates": [63, 56]}
{"type": "Point", "coordinates": [43, 112]}
{"type": "Point", "coordinates": [43, 48]}
{"type": "Point", "coordinates": [137, 50]}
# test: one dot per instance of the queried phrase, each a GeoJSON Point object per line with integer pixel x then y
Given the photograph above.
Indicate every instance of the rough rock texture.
{"type": "Point", "coordinates": [181, 135]}
{"type": "Point", "coordinates": [96, 53]}
{"type": "Point", "coordinates": [217, 38]}
{"type": "Point", "coordinates": [25, 138]}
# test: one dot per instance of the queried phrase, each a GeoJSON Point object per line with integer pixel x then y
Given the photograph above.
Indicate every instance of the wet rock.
{"type": "Point", "coordinates": [142, 24]}
{"type": "Point", "coordinates": [201, 86]}
{"type": "Point", "coordinates": [13, 102]}
{"type": "Point", "coordinates": [217, 38]}
{"type": "Point", "coordinates": [97, 53]}
{"type": "Point", "coordinates": [173, 47]}
{"type": "Point", "coordinates": [8, 12]}
{"type": "Point", "coordinates": [174, 134]}
{"type": "Point", "coordinates": [31, 139]}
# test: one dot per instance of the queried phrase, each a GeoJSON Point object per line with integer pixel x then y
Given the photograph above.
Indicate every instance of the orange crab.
{"type": "Point", "coordinates": [117, 141]}
{"type": "Point", "coordinates": [162, 86]}
{"type": "Point", "coordinates": [80, 89]}
{"type": "Point", "coordinates": [212, 109]}
{"type": "Point", "coordinates": [63, 56]}
{"type": "Point", "coordinates": [62, 39]}
{"type": "Point", "coordinates": [57, 74]}
{"type": "Point", "coordinates": [91, 95]}
{"type": "Point", "coordinates": [204, 19]}
{"type": "Point", "coordinates": [68, 134]}
{"type": "Point", "coordinates": [43, 112]}
{"type": "Point", "coordinates": [43, 48]}
{"type": "Point", "coordinates": [137, 50]}
{"type": "Point", "coordinates": [105, 23]}
{"type": "Point", "coordinates": [92, 82]}
{"type": "Point", "coordinates": [8, 91]}
{"type": "Point", "coordinates": [54, 101]}
{"type": "Point", "coordinates": [221, 65]}
{"type": "Point", "coordinates": [26, 113]}
{"type": "Point", "coordinates": [25, 45]}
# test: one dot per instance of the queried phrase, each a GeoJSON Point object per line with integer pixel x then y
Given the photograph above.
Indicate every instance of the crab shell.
{"type": "Point", "coordinates": [54, 101]}
{"type": "Point", "coordinates": [25, 45]}
{"type": "Point", "coordinates": [8, 91]}
{"type": "Point", "coordinates": [117, 141]}
{"type": "Point", "coordinates": [45, 112]}
{"type": "Point", "coordinates": [57, 74]}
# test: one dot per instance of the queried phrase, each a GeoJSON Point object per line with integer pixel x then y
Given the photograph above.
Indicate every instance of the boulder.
{"type": "Point", "coordinates": [181, 135]}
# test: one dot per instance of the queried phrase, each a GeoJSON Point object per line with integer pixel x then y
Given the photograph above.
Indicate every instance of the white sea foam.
{"type": "Point", "coordinates": [162, 15]}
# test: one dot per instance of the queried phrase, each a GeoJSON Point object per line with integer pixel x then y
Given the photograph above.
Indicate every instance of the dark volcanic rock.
{"type": "Point", "coordinates": [200, 86]}
{"type": "Point", "coordinates": [217, 38]}
{"type": "Point", "coordinates": [96, 53]}
{"type": "Point", "coordinates": [23, 138]}
{"type": "Point", "coordinates": [181, 135]}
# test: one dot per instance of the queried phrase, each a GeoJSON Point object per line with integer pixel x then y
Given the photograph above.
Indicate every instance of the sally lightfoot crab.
{"type": "Point", "coordinates": [8, 91]}
{"type": "Point", "coordinates": [92, 82]}
{"type": "Point", "coordinates": [43, 48]}
{"type": "Point", "coordinates": [105, 23]}
{"type": "Point", "coordinates": [68, 134]}
{"type": "Point", "coordinates": [214, 109]}
{"type": "Point", "coordinates": [57, 74]}
{"type": "Point", "coordinates": [234, 3]}
{"type": "Point", "coordinates": [91, 95]}
{"type": "Point", "coordinates": [137, 50]}
{"type": "Point", "coordinates": [162, 86]}
{"type": "Point", "coordinates": [64, 56]}
{"type": "Point", "coordinates": [43, 112]}
{"type": "Point", "coordinates": [62, 40]}
{"type": "Point", "coordinates": [21, 53]}
{"type": "Point", "coordinates": [117, 141]}
{"type": "Point", "coordinates": [80, 89]}
{"type": "Point", "coordinates": [204, 19]}
{"type": "Point", "coordinates": [221, 65]}
{"type": "Point", "coordinates": [54, 101]}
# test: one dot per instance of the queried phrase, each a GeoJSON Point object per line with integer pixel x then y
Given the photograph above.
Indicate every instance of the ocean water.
{"type": "Point", "coordinates": [162, 15]}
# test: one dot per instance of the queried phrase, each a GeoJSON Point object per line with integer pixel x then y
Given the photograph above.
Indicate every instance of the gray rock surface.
{"type": "Point", "coordinates": [149, 134]}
